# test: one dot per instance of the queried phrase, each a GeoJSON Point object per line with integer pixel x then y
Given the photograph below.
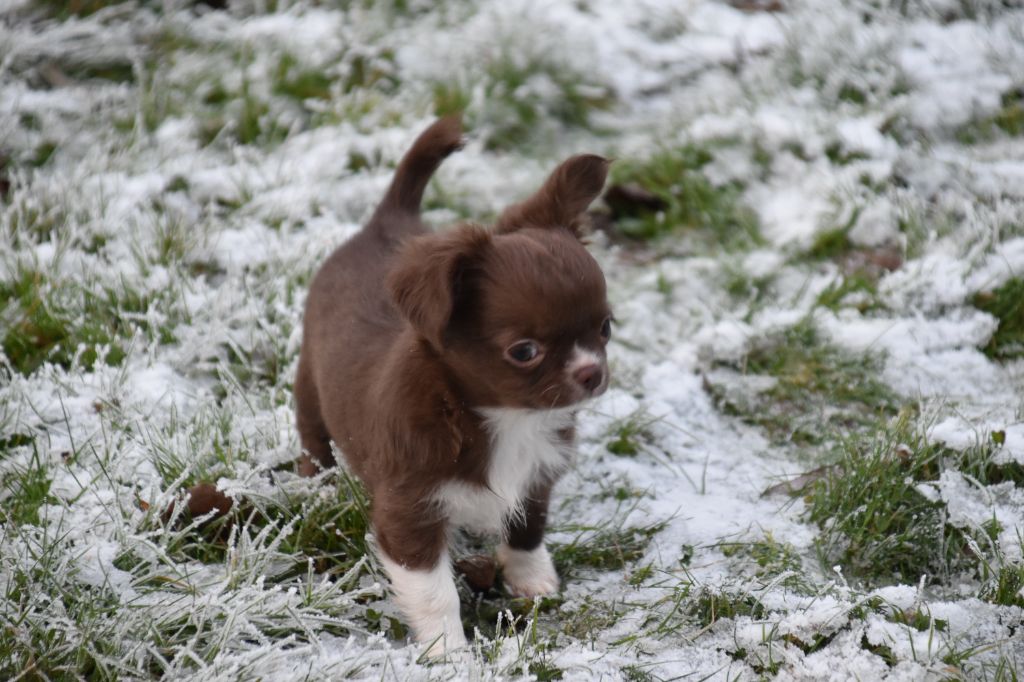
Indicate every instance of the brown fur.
{"type": "Point", "coordinates": [404, 333]}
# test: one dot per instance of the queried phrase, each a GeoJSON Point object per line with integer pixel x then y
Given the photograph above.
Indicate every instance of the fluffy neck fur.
{"type": "Point", "coordinates": [526, 446]}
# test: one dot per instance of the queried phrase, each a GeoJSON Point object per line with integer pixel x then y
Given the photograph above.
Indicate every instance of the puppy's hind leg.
{"type": "Point", "coordinates": [526, 566]}
{"type": "Point", "coordinates": [316, 442]}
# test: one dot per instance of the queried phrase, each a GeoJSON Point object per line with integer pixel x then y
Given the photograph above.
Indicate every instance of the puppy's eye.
{"type": "Point", "coordinates": [606, 329]}
{"type": "Point", "coordinates": [523, 352]}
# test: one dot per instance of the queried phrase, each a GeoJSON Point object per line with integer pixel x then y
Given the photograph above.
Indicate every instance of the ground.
{"type": "Point", "coordinates": [810, 464]}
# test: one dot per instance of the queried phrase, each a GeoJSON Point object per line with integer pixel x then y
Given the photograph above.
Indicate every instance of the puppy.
{"type": "Point", "coordinates": [447, 367]}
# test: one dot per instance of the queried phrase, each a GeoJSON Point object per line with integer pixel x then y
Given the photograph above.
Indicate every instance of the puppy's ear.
{"type": "Point", "coordinates": [564, 196]}
{"type": "Point", "coordinates": [428, 276]}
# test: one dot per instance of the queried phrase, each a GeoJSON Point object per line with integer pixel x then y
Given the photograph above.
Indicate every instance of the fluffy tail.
{"type": "Point", "coordinates": [405, 194]}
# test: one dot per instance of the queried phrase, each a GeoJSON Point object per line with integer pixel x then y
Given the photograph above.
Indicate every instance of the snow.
{"type": "Point", "coordinates": [952, 65]}
{"type": "Point", "coordinates": [253, 222]}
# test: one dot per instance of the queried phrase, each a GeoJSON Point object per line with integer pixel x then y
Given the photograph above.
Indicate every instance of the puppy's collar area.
{"type": "Point", "coordinates": [526, 447]}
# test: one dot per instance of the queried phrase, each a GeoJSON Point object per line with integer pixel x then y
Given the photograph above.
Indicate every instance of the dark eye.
{"type": "Point", "coordinates": [606, 328]}
{"type": "Point", "coordinates": [523, 352]}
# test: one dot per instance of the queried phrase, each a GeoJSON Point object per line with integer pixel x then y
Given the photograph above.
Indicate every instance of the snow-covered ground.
{"type": "Point", "coordinates": [171, 175]}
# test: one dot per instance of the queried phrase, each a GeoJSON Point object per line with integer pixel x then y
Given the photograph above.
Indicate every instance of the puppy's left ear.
{"type": "Point", "coordinates": [430, 274]}
{"type": "Point", "coordinates": [563, 197]}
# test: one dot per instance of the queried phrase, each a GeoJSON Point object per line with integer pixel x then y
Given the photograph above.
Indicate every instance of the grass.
{"type": "Point", "coordinates": [1008, 120]}
{"type": "Point", "coordinates": [819, 392]}
{"type": "Point", "coordinates": [264, 359]}
{"type": "Point", "coordinates": [43, 153]}
{"type": "Point", "coordinates": [747, 290]}
{"type": "Point", "coordinates": [522, 643]}
{"type": "Point", "coordinates": [840, 156]}
{"type": "Point", "coordinates": [242, 117]}
{"type": "Point", "coordinates": [92, 640]}
{"type": "Point", "coordinates": [39, 218]}
{"type": "Point", "coordinates": [629, 435]}
{"type": "Point", "coordinates": [695, 607]}
{"type": "Point", "coordinates": [521, 99]}
{"type": "Point", "coordinates": [769, 559]}
{"type": "Point", "coordinates": [325, 532]}
{"type": "Point", "coordinates": [65, 9]}
{"type": "Point", "coordinates": [587, 620]}
{"type": "Point", "coordinates": [606, 547]}
{"type": "Point", "coordinates": [1004, 669]}
{"type": "Point", "coordinates": [66, 322]}
{"type": "Point", "coordinates": [857, 290]}
{"type": "Point", "coordinates": [290, 566]}
{"type": "Point", "coordinates": [1004, 585]}
{"type": "Point", "coordinates": [328, 95]}
{"type": "Point", "coordinates": [877, 524]}
{"type": "Point", "coordinates": [1006, 304]}
{"type": "Point", "coordinates": [857, 283]}
{"type": "Point", "coordinates": [300, 83]}
{"type": "Point", "coordinates": [833, 243]}
{"type": "Point", "coordinates": [24, 489]}
{"type": "Point", "coordinates": [921, 226]}
{"type": "Point", "coordinates": [710, 606]}
{"type": "Point", "coordinates": [700, 612]}
{"type": "Point", "coordinates": [268, 102]}
{"type": "Point", "coordinates": [692, 202]}
{"type": "Point", "coordinates": [496, 613]}
{"type": "Point", "coordinates": [180, 125]}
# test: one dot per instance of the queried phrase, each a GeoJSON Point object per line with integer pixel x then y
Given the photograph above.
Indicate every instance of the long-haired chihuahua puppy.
{"type": "Point", "coordinates": [446, 367]}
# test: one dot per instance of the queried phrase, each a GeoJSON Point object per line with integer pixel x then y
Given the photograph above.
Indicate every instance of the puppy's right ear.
{"type": "Point", "coordinates": [562, 198]}
{"type": "Point", "coordinates": [428, 275]}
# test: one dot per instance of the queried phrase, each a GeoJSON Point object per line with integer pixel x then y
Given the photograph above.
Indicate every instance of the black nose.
{"type": "Point", "coordinates": [589, 377]}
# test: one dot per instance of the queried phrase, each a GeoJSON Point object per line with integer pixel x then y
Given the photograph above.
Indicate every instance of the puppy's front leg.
{"type": "Point", "coordinates": [415, 555]}
{"type": "Point", "coordinates": [526, 566]}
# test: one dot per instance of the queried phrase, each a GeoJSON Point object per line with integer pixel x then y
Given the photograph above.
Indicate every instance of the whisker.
{"type": "Point", "coordinates": [554, 401]}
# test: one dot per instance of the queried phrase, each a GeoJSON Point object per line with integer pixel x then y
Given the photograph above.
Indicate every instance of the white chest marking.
{"type": "Point", "coordinates": [524, 445]}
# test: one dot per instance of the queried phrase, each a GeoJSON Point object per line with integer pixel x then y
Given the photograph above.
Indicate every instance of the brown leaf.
{"type": "Point", "coordinates": [758, 5]}
{"type": "Point", "coordinates": [631, 199]}
{"type": "Point", "coordinates": [796, 486]}
{"type": "Point", "coordinates": [54, 76]}
{"type": "Point", "coordinates": [204, 498]}
{"type": "Point", "coordinates": [872, 261]}
{"type": "Point", "coordinates": [479, 571]}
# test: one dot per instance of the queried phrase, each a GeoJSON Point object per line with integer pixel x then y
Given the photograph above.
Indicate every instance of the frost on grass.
{"type": "Point", "coordinates": [809, 463]}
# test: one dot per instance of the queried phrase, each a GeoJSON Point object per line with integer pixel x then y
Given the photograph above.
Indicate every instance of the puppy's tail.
{"type": "Point", "coordinates": [433, 146]}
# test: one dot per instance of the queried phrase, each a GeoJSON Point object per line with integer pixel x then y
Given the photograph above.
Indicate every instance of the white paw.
{"type": "Point", "coordinates": [430, 603]}
{"type": "Point", "coordinates": [527, 573]}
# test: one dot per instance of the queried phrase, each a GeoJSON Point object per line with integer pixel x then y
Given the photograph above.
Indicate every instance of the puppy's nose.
{"type": "Point", "coordinates": [589, 376]}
